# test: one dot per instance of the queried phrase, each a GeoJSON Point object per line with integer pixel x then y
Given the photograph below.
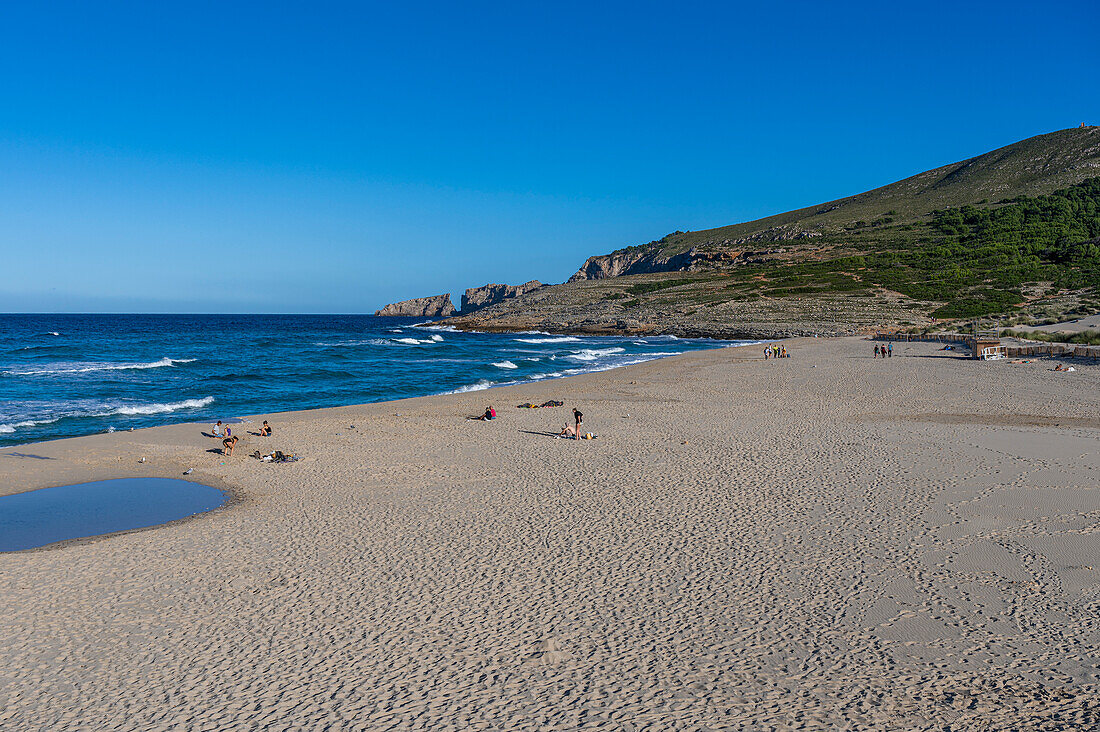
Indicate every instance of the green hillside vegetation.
{"type": "Point", "coordinates": [971, 261]}
{"type": "Point", "coordinates": [1012, 236]}
{"type": "Point", "coordinates": [1031, 167]}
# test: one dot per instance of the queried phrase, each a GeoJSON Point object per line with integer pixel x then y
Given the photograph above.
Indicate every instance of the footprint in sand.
{"type": "Point", "coordinates": [547, 653]}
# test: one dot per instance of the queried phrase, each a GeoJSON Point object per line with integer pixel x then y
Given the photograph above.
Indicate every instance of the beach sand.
{"type": "Point", "coordinates": [825, 541]}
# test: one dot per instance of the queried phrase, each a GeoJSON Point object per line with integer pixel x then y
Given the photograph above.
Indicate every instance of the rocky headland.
{"type": "Point", "coordinates": [437, 306]}
{"type": "Point", "coordinates": [930, 250]}
{"type": "Point", "coordinates": [476, 298]}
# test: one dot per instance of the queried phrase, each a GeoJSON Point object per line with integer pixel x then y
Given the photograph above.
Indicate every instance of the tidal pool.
{"type": "Point", "coordinates": [49, 515]}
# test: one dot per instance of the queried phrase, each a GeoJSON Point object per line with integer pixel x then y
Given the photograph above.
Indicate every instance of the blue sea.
{"type": "Point", "coordinates": [68, 375]}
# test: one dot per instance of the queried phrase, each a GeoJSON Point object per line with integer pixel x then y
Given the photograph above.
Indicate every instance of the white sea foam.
{"type": "Point", "coordinates": [157, 408]}
{"type": "Point", "coordinates": [84, 409]}
{"type": "Point", "coordinates": [355, 342]}
{"type": "Point", "coordinates": [13, 426]}
{"type": "Point", "coordinates": [437, 338]}
{"type": "Point", "coordinates": [561, 339]}
{"type": "Point", "coordinates": [506, 365]}
{"type": "Point", "coordinates": [483, 384]}
{"type": "Point", "coordinates": [86, 367]}
{"type": "Point", "coordinates": [418, 341]}
{"type": "Point", "coordinates": [592, 354]}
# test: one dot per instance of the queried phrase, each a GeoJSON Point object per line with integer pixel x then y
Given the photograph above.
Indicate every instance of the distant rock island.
{"type": "Point", "coordinates": [437, 306]}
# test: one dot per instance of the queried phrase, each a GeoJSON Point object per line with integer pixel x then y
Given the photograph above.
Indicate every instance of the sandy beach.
{"type": "Point", "coordinates": [822, 542]}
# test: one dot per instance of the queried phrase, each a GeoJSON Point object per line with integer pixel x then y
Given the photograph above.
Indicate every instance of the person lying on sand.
{"type": "Point", "coordinates": [265, 429]}
{"type": "Point", "coordinates": [228, 444]}
{"type": "Point", "coordinates": [568, 431]}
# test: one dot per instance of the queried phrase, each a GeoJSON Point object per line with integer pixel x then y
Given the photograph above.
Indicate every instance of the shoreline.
{"type": "Point", "coordinates": [320, 412]}
{"type": "Point", "coordinates": [820, 541]}
{"type": "Point", "coordinates": [466, 388]}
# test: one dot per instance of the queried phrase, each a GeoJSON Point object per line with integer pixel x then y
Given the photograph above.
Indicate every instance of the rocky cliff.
{"type": "Point", "coordinates": [421, 307]}
{"type": "Point", "coordinates": [708, 255]}
{"type": "Point", "coordinates": [476, 298]}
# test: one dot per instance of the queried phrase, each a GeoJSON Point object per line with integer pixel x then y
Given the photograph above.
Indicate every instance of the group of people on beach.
{"type": "Point", "coordinates": [570, 431]}
{"type": "Point", "coordinates": [573, 431]}
{"type": "Point", "coordinates": [775, 351]}
{"type": "Point", "coordinates": [230, 440]}
{"type": "Point", "coordinates": [884, 351]}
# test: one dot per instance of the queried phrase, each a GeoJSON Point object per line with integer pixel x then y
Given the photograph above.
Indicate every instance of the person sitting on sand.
{"type": "Point", "coordinates": [490, 413]}
{"type": "Point", "coordinates": [216, 430]}
{"type": "Point", "coordinates": [228, 444]}
{"type": "Point", "coordinates": [265, 429]}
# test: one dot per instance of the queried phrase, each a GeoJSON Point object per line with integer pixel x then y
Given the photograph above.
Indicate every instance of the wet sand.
{"type": "Point", "coordinates": [825, 541]}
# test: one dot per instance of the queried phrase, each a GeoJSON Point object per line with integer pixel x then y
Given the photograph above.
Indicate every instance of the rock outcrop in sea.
{"type": "Point", "coordinates": [476, 298]}
{"type": "Point", "coordinates": [421, 307]}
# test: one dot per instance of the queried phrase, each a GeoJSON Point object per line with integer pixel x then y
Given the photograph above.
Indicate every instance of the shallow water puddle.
{"type": "Point", "coordinates": [48, 515]}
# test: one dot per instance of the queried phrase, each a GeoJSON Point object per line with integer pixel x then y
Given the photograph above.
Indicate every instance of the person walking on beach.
{"type": "Point", "coordinates": [876, 350]}
{"type": "Point", "coordinates": [765, 354]}
{"type": "Point", "coordinates": [890, 349]}
{"type": "Point", "coordinates": [578, 417]}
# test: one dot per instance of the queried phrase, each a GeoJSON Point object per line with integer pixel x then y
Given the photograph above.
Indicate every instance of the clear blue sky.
{"type": "Point", "coordinates": [331, 157]}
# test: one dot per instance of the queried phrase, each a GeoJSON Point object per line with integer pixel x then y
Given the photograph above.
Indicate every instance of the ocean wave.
{"type": "Point", "coordinates": [558, 339]}
{"type": "Point", "coordinates": [89, 366]}
{"type": "Point", "coordinates": [93, 409]}
{"type": "Point", "coordinates": [479, 386]}
{"type": "Point", "coordinates": [437, 338]}
{"type": "Point", "coordinates": [13, 426]}
{"type": "Point", "coordinates": [158, 408]}
{"type": "Point", "coordinates": [593, 354]}
{"type": "Point", "coordinates": [354, 342]}
{"type": "Point", "coordinates": [506, 365]}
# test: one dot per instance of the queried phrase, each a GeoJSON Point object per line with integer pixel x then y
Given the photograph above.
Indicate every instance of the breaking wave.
{"type": "Point", "coordinates": [593, 354]}
{"type": "Point", "coordinates": [559, 339]}
{"type": "Point", "coordinates": [90, 410]}
{"type": "Point", "coordinates": [87, 367]}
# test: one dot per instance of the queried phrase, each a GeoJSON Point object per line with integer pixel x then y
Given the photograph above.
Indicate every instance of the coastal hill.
{"type": "Point", "coordinates": [1007, 234]}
